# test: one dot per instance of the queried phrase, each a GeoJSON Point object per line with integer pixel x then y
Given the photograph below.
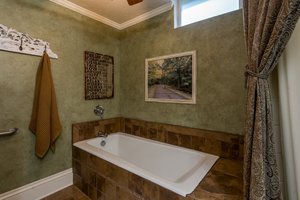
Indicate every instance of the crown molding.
{"type": "Point", "coordinates": [86, 12]}
{"type": "Point", "coordinates": [157, 11]}
{"type": "Point", "coordinates": [104, 20]}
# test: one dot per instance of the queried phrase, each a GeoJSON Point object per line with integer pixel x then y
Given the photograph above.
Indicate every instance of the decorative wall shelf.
{"type": "Point", "coordinates": [14, 41]}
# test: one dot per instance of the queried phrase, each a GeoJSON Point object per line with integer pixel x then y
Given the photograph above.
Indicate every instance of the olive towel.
{"type": "Point", "coordinates": [45, 123]}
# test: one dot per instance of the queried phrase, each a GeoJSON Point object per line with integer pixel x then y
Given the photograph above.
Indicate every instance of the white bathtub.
{"type": "Point", "coordinates": [175, 168]}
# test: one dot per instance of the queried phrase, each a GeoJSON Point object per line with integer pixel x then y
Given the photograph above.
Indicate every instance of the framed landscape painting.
{"type": "Point", "coordinates": [171, 78]}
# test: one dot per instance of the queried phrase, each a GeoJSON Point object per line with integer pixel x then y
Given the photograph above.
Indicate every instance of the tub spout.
{"type": "Point", "coordinates": [102, 134]}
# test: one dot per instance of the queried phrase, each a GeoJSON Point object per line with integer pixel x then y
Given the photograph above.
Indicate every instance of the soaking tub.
{"type": "Point", "coordinates": [175, 168]}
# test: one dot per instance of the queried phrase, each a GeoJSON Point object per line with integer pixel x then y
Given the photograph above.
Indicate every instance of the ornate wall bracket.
{"type": "Point", "coordinates": [14, 41]}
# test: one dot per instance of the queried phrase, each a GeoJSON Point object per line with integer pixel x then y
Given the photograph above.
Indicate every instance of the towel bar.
{"type": "Point", "coordinates": [9, 132]}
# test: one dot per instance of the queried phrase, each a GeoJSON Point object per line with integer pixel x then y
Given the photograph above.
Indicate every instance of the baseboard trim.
{"type": "Point", "coordinates": [41, 188]}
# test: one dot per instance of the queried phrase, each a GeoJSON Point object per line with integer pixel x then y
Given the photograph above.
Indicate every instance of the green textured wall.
{"type": "Point", "coordinates": [221, 59]}
{"type": "Point", "coordinates": [220, 93]}
{"type": "Point", "coordinates": [69, 34]}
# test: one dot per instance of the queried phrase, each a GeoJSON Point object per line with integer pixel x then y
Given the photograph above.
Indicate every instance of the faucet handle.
{"type": "Point", "coordinates": [102, 134]}
{"type": "Point", "coordinates": [99, 133]}
{"type": "Point", "coordinates": [99, 111]}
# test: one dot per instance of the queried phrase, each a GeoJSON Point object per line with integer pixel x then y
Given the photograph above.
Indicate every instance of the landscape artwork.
{"type": "Point", "coordinates": [171, 78]}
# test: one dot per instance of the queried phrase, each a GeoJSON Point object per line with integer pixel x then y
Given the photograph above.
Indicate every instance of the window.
{"type": "Point", "coordinates": [190, 11]}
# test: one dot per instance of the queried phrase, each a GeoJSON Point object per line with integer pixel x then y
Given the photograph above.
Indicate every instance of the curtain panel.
{"type": "Point", "coordinates": [268, 25]}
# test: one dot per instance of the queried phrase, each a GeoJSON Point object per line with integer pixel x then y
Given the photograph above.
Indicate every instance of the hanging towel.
{"type": "Point", "coordinates": [45, 123]}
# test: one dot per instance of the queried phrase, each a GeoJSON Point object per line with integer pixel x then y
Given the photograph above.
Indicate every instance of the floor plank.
{"type": "Point", "coordinates": [69, 193]}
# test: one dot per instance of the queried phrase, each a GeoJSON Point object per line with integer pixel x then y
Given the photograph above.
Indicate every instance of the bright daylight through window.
{"type": "Point", "coordinates": [190, 11]}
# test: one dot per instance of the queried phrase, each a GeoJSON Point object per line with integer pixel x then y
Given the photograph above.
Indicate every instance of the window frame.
{"type": "Point", "coordinates": [177, 13]}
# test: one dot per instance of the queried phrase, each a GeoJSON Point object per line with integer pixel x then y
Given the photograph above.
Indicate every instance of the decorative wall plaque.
{"type": "Point", "coordinates": [99, 76]}
{"type": "Point", "coordinates": [14, 41]}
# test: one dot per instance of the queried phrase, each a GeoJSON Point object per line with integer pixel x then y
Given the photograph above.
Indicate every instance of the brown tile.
{"type": "Point", "coordinates": [92, 178]}
{"type": "Point", "coordinates": [119, 175]}
{"type": "Point", "coordinates": [185, 141]}
{"type": "Point", "coordinates": [99, 165]}
{"type": "Point", "coordinates": [234, 151]}
{"type": "Point", "coordinates": [219, 183]}
{"type": "Point", "coordinates": [150, 191]}
{"type": "Point", "coordinates": [241, 155]}
{"type": "Point", "coordinates": [76, 167]}
{"type": "Point", "coordinates": [198, 143]}
{"type": "Point", "coordinates": [77, 181]}
{"type": "Point", "coordinates": [229, 167]}
{"type": "Point", "coordinates": [110, 190]}
{"type": "Point", "coordinates": [99, 128]}
{"type": "Point", "coordinates": [212, 146]}
{"type": "Point", "coordinates": [173, 138]}
{"type": "Point", "coordinates": [136, 130]}
{"type": "Point", "coordinates": [235, 140]}
{"type": "Point", "coordinates": [229, 150]}
{"type": "Point", "coordinates": [123, 194]}
{"type": "Point", "coordinates": [200, 194]}
{"type": "Point", "coordinates": [75, 153]}
{"type": "Point", "coordinates": [127, 121]}
{"type": "Point", "coordinates": [112, 126]}
{"type": "Point", "coordinates": [185, 198]}
{"type": "Point", "coordinates": [204, 195]}
{"type": "Point", "coordinates": [106, 187]}
{"type": "Point", "coordinates": [77, 134]}
{"type": "Point", "coordinates": [136, 184]}
{"type": "Point", "coordinates": [165, 194]}
{"type": "Point", "coordinates": [100, 183]}
{"type": "Point", "coordinates": [85, 187]}
{"type": "Point", "coordinates": [79, 155]}
{"type": "Point", "coordinates": [152, 133]}
{"type": "Point", "coordinates": [143, 132]}
{"type": "Point", "coordinates": [109, 128]}
{"type": "Point", "coordinates": [88, 129]}
{"type": "Point", "coordinates": [161, 136]}
{"type": "Point", "coordinates": [101, 196]}
{"type": "Point", "coordinates": [128, 129]}
{"type": "Point", "coordinates": [122, 124]}
{"type": "Point", "coordinates": [92, 192]}
{"type": "Point", "coordinates": [85, 174]}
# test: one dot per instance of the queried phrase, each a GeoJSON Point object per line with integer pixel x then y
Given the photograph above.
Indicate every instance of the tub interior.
{"type": "Point", "coordinates": [172, 163]}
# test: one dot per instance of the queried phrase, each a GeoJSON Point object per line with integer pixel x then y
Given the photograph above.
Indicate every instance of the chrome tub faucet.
{"type": "Point", "coordinates": [103, 136]}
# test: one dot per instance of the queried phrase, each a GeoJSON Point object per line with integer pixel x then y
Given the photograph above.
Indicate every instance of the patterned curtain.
{"type": "Point", "coordinates": [268, 25]}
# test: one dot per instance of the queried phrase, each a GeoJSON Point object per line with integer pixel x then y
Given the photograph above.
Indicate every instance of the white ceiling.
{"type": "Point", "coordinates": [117, 13]}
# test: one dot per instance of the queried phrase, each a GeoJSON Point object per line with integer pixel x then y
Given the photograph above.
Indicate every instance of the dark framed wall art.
{"type": "Point", "coordinates": [99, 76]}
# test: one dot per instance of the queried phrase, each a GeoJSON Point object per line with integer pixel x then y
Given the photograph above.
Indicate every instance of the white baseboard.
{"type": "Point", "coordinates": [41, 188]}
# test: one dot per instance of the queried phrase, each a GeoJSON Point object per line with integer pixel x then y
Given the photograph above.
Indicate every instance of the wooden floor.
{"type": "Point", "coordinates": [69, 193]}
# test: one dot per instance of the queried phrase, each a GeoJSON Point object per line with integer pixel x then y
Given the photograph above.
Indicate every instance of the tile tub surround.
{"type": "Point", "coordinates": [225, 145]}
{"type": "Point", "coordinates": [88, 130]}
{"type": "Point", "coordinates": [102, 180]}
{"type": "Point", "coordinates": [110, 182]}
{"type": "Point", "coordinates": [153, 160]}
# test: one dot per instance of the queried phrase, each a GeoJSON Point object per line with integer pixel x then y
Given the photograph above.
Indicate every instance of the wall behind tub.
{"type": "Point", "coordinates": [69, 34]}
{"type": "Point", "coordinates": [221, 58]}
{"type": "Point", "coordinates": [220, 93]}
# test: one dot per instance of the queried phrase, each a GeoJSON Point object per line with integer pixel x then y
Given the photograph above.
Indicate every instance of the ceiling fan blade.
{"type": "Point", "coordinates": [132, 2]}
